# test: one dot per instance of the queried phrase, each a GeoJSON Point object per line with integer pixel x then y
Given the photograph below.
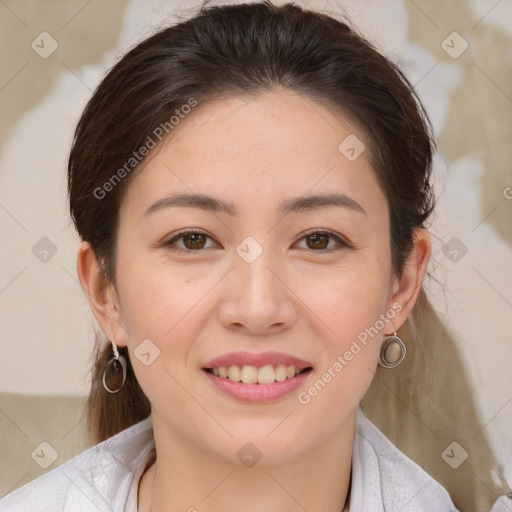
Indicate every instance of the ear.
{"type": "Point", "coordinates": [101, 295]}
{"type": "Point", "coordinates": [406, 288]}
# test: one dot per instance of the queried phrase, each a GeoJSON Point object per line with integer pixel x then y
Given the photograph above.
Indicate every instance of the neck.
{"type": "Point", "coordinates": [185, 478]}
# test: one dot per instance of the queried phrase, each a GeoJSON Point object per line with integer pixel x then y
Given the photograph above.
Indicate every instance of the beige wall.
{"type": "Point", "coordinates": [46, 325]}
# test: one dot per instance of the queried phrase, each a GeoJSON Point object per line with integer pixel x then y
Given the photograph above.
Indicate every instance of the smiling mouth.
{"type": "Point", "coordinates": [248, 374]}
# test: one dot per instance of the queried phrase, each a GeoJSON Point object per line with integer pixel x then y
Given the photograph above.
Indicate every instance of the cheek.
{"type": "Point", "coordinates": [347, 300]}
{"type": "Point", "coordinates": [348, 306]}
{"type": "Point", "coordinates": [163, 309]}
{"type": "Point", "coordinates": [349, 309]}
{"type": "Point", "coordinates": [156, 298]}
{"type": "Point", "coordinates": [168, 305]}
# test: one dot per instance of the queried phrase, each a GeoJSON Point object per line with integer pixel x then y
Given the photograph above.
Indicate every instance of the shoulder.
{"type": "Point", "coordinates": [384, 477]}
{"type": "Point", "coordinates": [96, 480]}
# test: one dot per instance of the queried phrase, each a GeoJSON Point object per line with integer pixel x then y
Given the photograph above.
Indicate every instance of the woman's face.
{"type": "Point", "coordinates": [254, 277]}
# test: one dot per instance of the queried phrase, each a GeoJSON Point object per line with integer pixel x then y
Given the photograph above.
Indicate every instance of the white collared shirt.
{"type": "Point", "coordinates": [105, 478]}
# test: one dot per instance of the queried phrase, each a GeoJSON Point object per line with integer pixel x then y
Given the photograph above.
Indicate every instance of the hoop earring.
{"type": "Point", "coordinates": [392, 351]}
{"type": "Point", "coordinates": [115, 364]}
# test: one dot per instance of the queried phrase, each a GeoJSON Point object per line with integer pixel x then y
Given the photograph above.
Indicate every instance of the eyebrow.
{"type": "Point", "coordinates": [293, 205]}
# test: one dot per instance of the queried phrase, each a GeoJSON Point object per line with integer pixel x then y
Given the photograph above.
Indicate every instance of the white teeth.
{"type": "Point", "coordinates": [266, 374]}
{"type": "Point", "coordinates": [249, 374]}
{"type": "Point", "coordinates": [234, 373]}
{"type": "Point", "coordinates": [280, 373]}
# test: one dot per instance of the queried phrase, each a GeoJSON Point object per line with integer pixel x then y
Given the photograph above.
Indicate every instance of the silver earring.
{"type": "Point", "coordinates": [111, 373]}
{"type": "Point", "coordinates": [392, 351]}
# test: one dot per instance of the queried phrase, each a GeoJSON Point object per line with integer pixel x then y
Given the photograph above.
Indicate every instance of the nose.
{"type": "Point", "coordinates": [257, 298]}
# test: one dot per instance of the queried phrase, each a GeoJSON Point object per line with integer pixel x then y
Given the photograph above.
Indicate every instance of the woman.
{"type": "Point", "coordinates": [251, 188]}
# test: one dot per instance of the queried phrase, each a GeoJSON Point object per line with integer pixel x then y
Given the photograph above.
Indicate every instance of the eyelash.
{"type": "Point", "coordinates": [342, 244]}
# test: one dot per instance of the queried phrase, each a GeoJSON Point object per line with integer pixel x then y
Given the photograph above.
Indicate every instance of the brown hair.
{"type": "Point", "coordinates": [237, 50]}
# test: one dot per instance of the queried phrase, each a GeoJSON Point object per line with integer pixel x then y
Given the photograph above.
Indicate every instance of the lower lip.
{"type": "Point", "coordinates": [257, 392]}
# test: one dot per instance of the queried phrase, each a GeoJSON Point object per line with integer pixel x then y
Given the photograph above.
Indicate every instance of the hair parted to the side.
{"type": "Point", "coordinates": [234, 50]}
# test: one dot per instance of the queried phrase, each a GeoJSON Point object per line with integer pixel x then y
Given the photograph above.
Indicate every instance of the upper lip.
{"type": "Point", "coordinates": [260, 359]}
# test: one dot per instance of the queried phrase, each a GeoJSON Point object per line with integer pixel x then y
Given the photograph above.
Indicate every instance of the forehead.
{"type": "Point", "coordinates": [260, 148]}
{"type": "Point", "coordinates": [272, 125]}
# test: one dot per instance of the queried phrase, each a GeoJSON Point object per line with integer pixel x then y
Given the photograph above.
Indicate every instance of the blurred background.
{"type": "Point", "coordinates": [459, 57]}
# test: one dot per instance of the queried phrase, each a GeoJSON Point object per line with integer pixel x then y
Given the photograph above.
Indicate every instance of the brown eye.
{"type": "Point", "coordinates": [318, 241]}
{"type": "Point", "coordinates": [197, 241]}
{"type": "Point", "coordinates": [192, 241]}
